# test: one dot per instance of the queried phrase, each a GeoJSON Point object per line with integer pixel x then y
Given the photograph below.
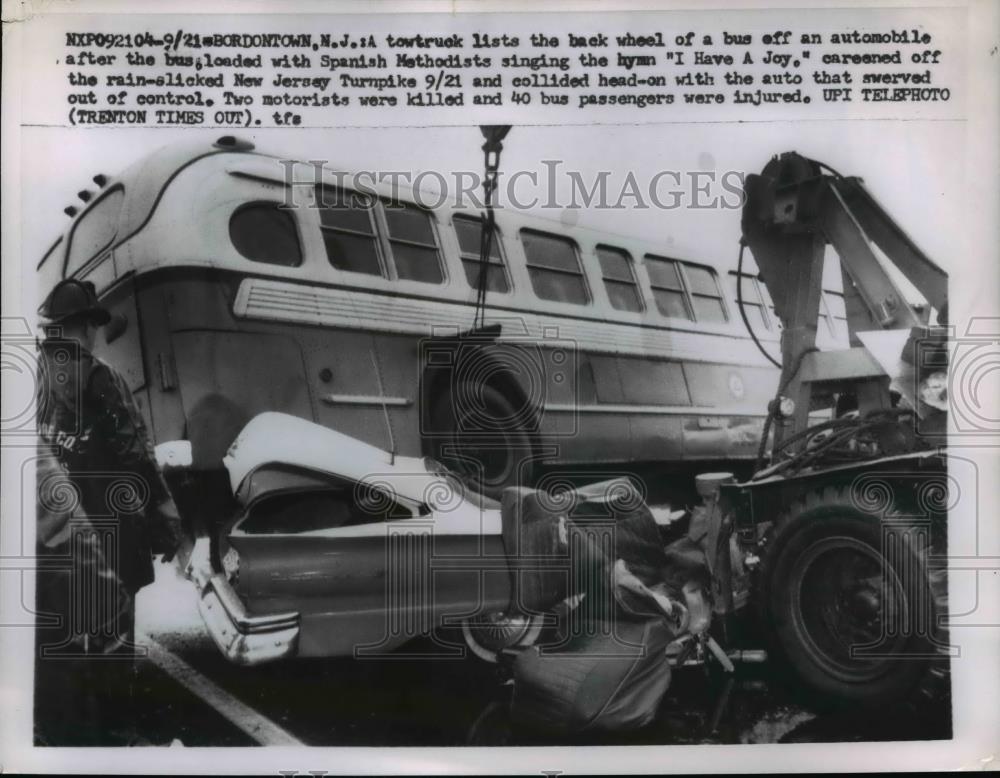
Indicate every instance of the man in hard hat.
{"type": "Point", "coordinates": [116, 510]}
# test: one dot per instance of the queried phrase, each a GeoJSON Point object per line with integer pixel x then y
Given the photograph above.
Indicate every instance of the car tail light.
{"type": "Point", "coordinates": [231, 565]}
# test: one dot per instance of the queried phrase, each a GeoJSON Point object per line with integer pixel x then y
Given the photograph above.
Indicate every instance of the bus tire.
{"type": "Point", "coordinates": [488, 447]}
{"type": "Point", "coordinates": [828, 588]}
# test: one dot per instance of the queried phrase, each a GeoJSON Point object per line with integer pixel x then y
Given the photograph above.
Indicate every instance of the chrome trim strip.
{"type": "Point", "coordinates": [241, 619]}
{"type": "Point", "coordinates": [365, 399]}
{"type": "Point", "coordinates": [242, 638]}
{"type": "Point", "coordinates": [662, 410]}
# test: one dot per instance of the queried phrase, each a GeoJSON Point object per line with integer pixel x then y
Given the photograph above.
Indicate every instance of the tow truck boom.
{"type": "Point", "coordinates": [793, 209]}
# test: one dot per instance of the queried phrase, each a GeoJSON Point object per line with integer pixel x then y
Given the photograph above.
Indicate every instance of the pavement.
{"type": "Point", "coordinates": [197, 698]}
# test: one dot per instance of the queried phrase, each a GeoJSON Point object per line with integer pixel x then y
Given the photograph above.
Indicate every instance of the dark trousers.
{"type": "Point", "coordinates": [85, 671]}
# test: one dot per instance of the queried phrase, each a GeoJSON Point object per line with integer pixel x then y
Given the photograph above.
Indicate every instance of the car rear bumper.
{"type": "Point", "coordinates": [242, 638]}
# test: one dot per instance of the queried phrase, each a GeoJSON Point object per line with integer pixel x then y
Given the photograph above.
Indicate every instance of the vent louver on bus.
{"type": "Point", "coordinates": [259, 298]}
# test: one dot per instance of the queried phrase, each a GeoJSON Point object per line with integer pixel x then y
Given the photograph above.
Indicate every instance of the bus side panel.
{"type": "Point", "coordinates": [357, 378]}
{"type": "Point", "coordinates": [226, 378]}
{"type": "Point", "coordinates": [656, 437]}
{"type": "Point", "coordinates": [170, 300]}
{"type": "Point", "coordinates": [141, 353]}
{"type": "Point", "coordinates": [399, 371]}
{"type": "Point", "coordinates": [725, 436]}
{"type": "Point", "coordinates": [580, 433]}
{"type": "Point", "coordinates": [721, 437]}
{"type": "Point", "coordinates": [566, 387]}
{"type": "Point", "coordinates": [723, 386]}
{"type": "Point", "coordinates": [124, 351]}
{"type": "Point", "coordinates": [652, 382]}
{"type": "Point", "coordinates": [592, 408]}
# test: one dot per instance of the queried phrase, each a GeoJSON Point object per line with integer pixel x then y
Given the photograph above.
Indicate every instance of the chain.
{"type": "Point", "coordinates": [494, 135]}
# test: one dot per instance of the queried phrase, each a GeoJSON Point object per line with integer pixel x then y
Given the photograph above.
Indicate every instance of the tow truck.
{"type": "Point", "coordinates": [839, 538]}
{"type": "Point", "coordinates": [836, 545]}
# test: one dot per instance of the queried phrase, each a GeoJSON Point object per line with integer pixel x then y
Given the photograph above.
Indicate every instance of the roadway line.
{"type": "Point", "coordinates": [264, 731]}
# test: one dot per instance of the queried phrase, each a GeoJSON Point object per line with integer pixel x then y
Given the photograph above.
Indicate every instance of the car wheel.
{"type": "Point", "coordinates": [489, 634]}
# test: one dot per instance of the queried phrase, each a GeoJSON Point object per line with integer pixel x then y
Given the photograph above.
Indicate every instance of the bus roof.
{"type": "Point", "coordinates": [145, 181]}
{"type": "Point", "coordinates": [175, 207]}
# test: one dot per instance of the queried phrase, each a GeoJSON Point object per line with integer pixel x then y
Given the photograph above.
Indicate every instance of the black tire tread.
{"type": "Point", "coordinates": [934, 683]}
{"type": "Point", "coordinates": [444, 406]}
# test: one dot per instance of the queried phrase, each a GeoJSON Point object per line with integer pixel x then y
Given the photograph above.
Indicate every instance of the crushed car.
{"type": "Point", "coordinates": [339, 548]}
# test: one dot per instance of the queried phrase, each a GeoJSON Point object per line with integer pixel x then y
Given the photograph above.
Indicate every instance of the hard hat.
{"type": "Point", "coordinates": [71, 298]}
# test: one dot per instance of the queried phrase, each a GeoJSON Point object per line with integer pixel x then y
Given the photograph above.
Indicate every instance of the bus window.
{"type": "Point", "coordinates": [95, 230]}
{"type": "Point", "coordinates": [619, 279]}
{"type": "Point", "coordinates": [348, 227]}
{"type": "Point", "coordinates": [753, 301]}
{"type": "Point", "coordinates": [263, 232]}
{"type": "Point", "coordinates": [469, 231]}
{"type": "Point", "coordinates": [668, 289]}
{"type": "Point", "coordinates": [770, 305]}
{"type": "Point", "coordinates": [413, 243]}
{"type": "Point", "coordinates": [706, 296]}
{"type": "Point", "coordinates": [554, 268]}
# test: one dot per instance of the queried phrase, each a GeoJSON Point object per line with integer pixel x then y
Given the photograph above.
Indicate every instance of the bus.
{"type": "Point", "coordinates": [356, 312]}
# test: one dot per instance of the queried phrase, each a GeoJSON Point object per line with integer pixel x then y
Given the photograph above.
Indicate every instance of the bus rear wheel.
{"type": "Point", "coordinates": [480, 436]}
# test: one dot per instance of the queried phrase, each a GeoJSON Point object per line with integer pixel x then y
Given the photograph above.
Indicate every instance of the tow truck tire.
{"type": "Point", "coordinates": [483, 440]}
{"type": "Point", "coordinates": [852, 604]}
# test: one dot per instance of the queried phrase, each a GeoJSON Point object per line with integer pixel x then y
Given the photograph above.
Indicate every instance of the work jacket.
{"type": "Point", "coordinates": [88, 417]}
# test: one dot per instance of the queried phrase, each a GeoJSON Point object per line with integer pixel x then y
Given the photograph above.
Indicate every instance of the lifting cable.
{"type": "Point", "coordinates": [824, 166]}
{"type": "Point", "coordinates": [742, 308]}
{"type": "Point", "coordinates": [494, 135]}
